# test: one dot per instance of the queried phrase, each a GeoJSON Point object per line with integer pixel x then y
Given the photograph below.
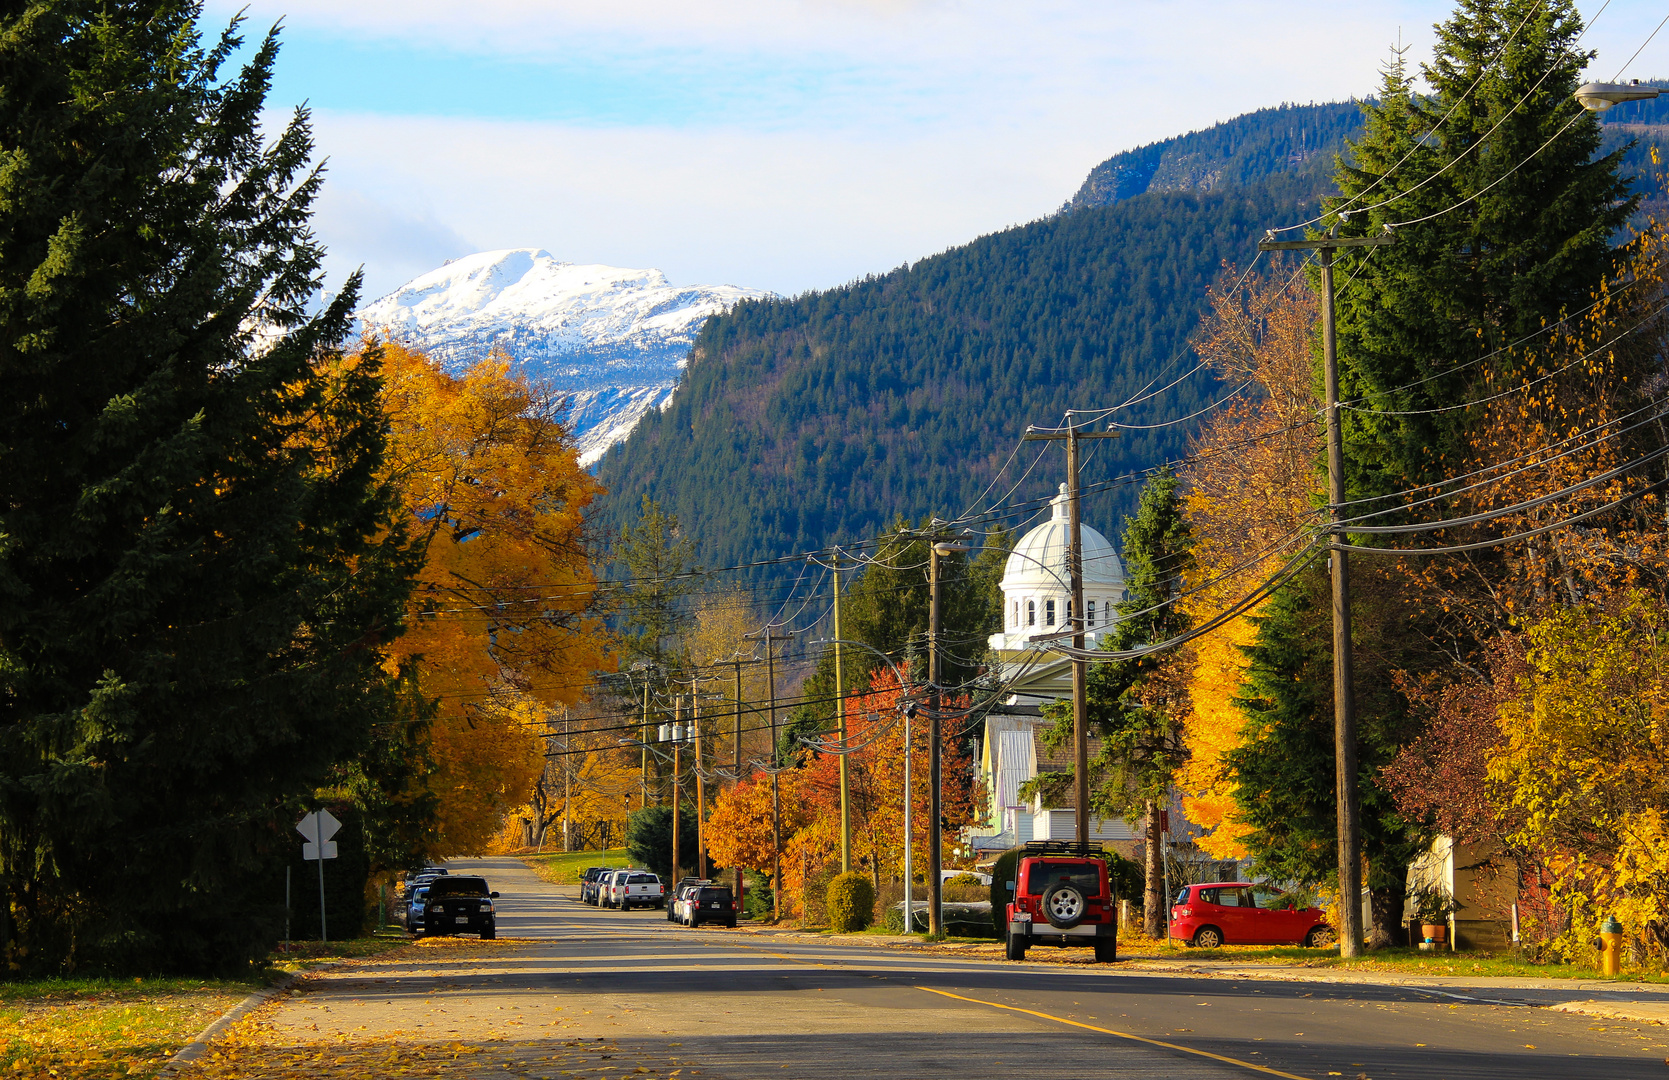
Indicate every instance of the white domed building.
{"type": "Point", "coordinates": [1037, 600]}
{"type": "Point", "coordinates": [1037, 587]}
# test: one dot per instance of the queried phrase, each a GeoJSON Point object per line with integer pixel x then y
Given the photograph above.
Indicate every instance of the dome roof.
{"type": "Point", "coordinates": [1038, 561]}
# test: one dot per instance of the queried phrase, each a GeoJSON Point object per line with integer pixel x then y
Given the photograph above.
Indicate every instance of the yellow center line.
{"type": "Point", "coordinates": [1121, 1034]}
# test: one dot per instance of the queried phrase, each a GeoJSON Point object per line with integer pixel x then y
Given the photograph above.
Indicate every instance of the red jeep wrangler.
{"type": "Point", "coordinates": [1061, 896]}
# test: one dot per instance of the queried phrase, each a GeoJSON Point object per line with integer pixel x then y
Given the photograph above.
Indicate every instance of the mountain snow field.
{"type": "Point", "coordinates": [612, 339]}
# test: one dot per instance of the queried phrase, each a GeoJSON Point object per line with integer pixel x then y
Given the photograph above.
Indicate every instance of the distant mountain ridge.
{"type": "Point", "coordinates": [819, 419]}
{"type": "Point", "coordinates": [1289, 140]}
{"type": "Point", "coordinates": [614, 338]}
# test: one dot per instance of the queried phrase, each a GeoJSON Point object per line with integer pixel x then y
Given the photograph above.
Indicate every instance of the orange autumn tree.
{"type": "Point", "coordinates": [502, 623]}
{"type": "Point", "coordinates": [738, 830]}
{"type": "Point", "coordinates": [1252, 493]}
{"type": "Point", "coordinates": [876, 783]}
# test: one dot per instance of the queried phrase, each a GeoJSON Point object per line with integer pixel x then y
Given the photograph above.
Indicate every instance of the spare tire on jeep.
{"type": "Point", "coordinates": [1064, 906]}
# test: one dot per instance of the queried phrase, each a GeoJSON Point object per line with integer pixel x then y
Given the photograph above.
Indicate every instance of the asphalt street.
{"type": "Point", "coordinates": [662, 999]}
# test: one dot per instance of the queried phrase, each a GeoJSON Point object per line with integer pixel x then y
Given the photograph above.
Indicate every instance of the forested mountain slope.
{"type": "Point", "coordinates": [819, 419]}
{"type": "Point", "coordinates": [1293, 142]}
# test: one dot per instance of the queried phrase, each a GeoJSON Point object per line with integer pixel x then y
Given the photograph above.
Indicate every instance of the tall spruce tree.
{"type": "Point", "coordinates": [1505, 219]}
{"type": "Point", "coordinates": [1510, 224]}
{"type": "Point", "coordinates": [197, 562]}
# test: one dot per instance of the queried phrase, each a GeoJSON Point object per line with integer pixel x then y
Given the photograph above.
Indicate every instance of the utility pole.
{"type": "Point", "coordinates": [677, 790]}
{"type": "Point", "coordinates": [909, 799]}
{"type": "Point", "coordinates": [840, 707]}
{"type": "Point", "coordinates": [1344, 691]}
{"type": "Point", "coordinates": [776, 789]}
{"type": "Point", "coordinates": [567, 785]}
{"type": "Point", "coordinates": [1075, 616]}
{"type": "Point", "coordinates": [700, 785]}
{"type": "Point", "coordinates": [740, 883]}
{"type": "Point", "coordinates": [644, 751]}
{"type": "Point", "coordinates": [935, 771]}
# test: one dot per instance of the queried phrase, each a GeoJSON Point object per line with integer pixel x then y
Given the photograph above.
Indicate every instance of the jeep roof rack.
{"type": "Point", "coordinates": [1062, 847]}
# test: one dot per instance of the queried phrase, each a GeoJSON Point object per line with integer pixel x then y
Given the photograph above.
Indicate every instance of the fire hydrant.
{"type": "Point", "coordinates": [1611, 946]}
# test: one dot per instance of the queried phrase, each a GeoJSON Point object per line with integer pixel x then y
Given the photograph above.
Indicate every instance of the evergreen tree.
{"type": "Point", "coordinates": [1511, 220]}
{"type": "Point", "coordinates": [1285, 783]}
{"type": "Point", "coordinates": [656, 555]}
{"type": "Point", "coordinates": [1136, 708]}
{"type": "Point", "coordinates": [1505, 215]}
{"type": "Point", "coordinates": [197, 564]}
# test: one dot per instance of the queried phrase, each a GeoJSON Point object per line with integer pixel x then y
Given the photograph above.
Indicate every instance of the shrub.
{"type": "Point", "coordinates": [851, 900]}
{"type": "Point", "coordinates": [964, 879]}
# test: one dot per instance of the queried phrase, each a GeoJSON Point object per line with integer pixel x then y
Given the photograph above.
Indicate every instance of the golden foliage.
{"type": "Point", "coordinates": [1252, 490]}
{"type": "Point", "coordinates": [501, 623]}
{"type": "Point", "coordinates": [1586, 747]}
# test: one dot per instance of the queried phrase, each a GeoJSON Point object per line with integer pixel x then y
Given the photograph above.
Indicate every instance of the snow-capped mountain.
{"type": "Point", "coordinates": [613, 339]}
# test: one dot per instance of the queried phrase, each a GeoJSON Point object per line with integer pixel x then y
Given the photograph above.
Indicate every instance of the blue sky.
{"type": "Point", "coordinates": [783, 144]}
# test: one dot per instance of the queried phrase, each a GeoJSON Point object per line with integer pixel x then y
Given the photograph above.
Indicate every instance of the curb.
{"type": "Point", "coordinates": [1640, 1012]}
{"type": "Point", "coordinates": [199, 1043]}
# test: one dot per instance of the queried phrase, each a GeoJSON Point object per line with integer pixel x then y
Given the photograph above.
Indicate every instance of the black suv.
{"type": "Point", "coordinates": [708, 903]}
{"type": "Point", "coordinates": [458, 905]}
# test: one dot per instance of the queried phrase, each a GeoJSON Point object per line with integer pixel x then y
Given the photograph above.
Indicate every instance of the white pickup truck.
{"type": "Point", "coordinates": [634, 888]}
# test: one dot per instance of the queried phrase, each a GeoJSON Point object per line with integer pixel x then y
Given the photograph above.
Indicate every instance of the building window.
{"type": "Point", "coordinates": [1092, 612]}
{"type": "Point", "coordinates": [1031, 612]}
{"type": "Point", "coordinates": [1069, 610]}
{"type": "Point", "coordinates": [1016, 620]}
{"type": "Point", "coordinates": [1048, 613]}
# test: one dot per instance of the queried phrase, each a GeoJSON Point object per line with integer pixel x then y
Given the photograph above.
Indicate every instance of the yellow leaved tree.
{"type": "Point", "coordinates": [1252, 489]}
{"type": "Point", "coordinates": [502, 624]}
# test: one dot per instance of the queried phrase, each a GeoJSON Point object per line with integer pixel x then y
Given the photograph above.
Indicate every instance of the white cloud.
{"type": "Point", "coordinates": [847, 135]}
{"type": "Point", "coordinates": [779, 212]}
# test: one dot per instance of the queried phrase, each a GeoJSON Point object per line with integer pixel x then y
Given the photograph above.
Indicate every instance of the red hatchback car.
{"type": "Point", "coordinates": [1241, 913]}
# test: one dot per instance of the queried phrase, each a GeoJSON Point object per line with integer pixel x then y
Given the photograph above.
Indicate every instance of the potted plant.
{"type": "Point", "coordinates": [1433, 906]}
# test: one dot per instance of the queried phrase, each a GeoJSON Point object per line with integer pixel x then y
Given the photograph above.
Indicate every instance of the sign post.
{"type": "Point", "coordinates": [319, 826]}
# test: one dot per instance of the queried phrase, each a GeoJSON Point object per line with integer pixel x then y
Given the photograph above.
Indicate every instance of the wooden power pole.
{"type": "Point", "coordinates": [1075, 571]}
{"type": "Point", "coordinates": [776, 789]}
{"type": "Point", "coordinates": [1344, 692]}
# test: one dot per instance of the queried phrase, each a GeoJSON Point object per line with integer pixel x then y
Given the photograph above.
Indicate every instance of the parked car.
{"type": "Point", "coordinates": [1062, 896]}
{"type": "Point", "coordinates": [1241, 913]}
{"type": "Point", "coordinates": [412, 909]}
{"type": "Point", "coordinates": [675, 905]}
{"type": "Point", "coordinates": [634, 888]}
{"type": "Point", "coordinates": [458, 905]}
{"type": "Point", "coordinates": [707, 903]}
{"type": "Point", "coordinates": [589, 881]}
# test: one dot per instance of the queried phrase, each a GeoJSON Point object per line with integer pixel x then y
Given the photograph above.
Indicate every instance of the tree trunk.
{"type": "Point", "coordinates": [1154, 923]}
{"type": "Point", "coordinates": [1386, 927]}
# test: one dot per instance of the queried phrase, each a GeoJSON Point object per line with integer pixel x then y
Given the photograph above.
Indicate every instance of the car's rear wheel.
{"type": "Point", "coordinates": [1208, 937]}
{"type": "Point", "coordinates": [1106, 950]}
{"type": "Point", "coordinates": [1321, 937]}
{"type": "Point", "coordinates": [489, 933]}
{"type": "Point", "coordinates": [1015, 948]}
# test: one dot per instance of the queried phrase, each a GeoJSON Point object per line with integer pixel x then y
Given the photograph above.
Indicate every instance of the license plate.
{"type": "Point", "coordinates": [463, 918]}
{"type": "Point", "coordinates": [715, 905]}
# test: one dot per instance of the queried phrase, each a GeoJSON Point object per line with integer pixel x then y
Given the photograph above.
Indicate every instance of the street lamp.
{"type": "Point", "coordinates": [1598, 96]}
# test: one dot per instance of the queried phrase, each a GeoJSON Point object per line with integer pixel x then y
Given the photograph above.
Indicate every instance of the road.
{"type": "Point", "coordinates": [582, 983]}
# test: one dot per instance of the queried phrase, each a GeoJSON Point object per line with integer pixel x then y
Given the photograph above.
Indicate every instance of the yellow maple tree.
{"type": "Point", "coordinates": [502, 624]}
{"type": "Point", "coordinates": [1252, 490]}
